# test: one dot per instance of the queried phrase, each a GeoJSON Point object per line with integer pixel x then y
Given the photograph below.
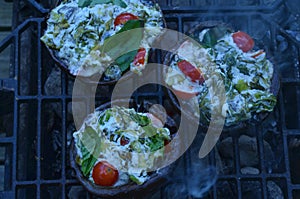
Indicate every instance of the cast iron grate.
{"type": "Point", "coordinates": [36, 123]}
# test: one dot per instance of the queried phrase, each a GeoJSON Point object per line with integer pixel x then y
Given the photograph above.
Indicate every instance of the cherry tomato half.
{"type": "Point", "coordinates": [124, 141]}
{"type": "Point", "coordinates": [104, 174]}
{"type": "Point", "coordinates": [243, 41]}
{"type": "Point", "coordinates": [139, 59]}
{"type": "Point", "coordinates": [191, 71]}
{"type": "Point", "coordinates": [123, 18]}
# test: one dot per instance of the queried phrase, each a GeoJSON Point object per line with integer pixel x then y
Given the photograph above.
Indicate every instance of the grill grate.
{"type": "Point", "coordinates": [36, 125]}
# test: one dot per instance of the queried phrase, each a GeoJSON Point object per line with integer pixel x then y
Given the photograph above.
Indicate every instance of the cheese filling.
{"type": "Point", "coordinates": [247, 79]}
{"type": "Point", "coordinates": [75, 32]}
{"type": "Point", "coordinates": [110, 129]}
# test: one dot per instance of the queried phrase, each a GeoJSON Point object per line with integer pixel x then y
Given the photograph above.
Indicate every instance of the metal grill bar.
{"type": "Point", "coordinates": [215, 7]}
{"type": "Point", "coordinates": [46, 182]}
{"type": "Point", "coordinates": [289, 191]}
{"type": "Point", "coordinates": [64, 139]}
{"type": "Point", "coordinates": [37, 6]}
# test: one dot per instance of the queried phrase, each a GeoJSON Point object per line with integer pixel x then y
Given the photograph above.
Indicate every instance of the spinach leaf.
{"type": "Point", "coordinates": [142, 120]}
{"type": "Point", "coordinates": [115, 45]}
{"type": "Point", "coordinates": [211, 37]}
{"type": "Point", "coordinates": [90, 148]}
{"type": "Point", "coordinates": [132, 24]}
{"type": "Point", "coordinates": [150, 130]}
{"type": "Point", "coordinates": [120, 3]}
{"type": "Point", "coordinates": [87, 165]}
{"type": "Point", "coordinates": [86, 3]}
{"type": "Point", "coordinates": [155, 143]}
{"type": "Point", "coordinates": [95, 2]}
{"type": "Point", "coordinates": [124, 60]}
{"type": "Point", "coordinates": [88, 139]}
{"type": "Point", "coordinates": [85, 153]}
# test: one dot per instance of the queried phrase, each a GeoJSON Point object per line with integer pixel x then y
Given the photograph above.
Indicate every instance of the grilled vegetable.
{"type": "Point", "coordinates": [123, 18]}
{"type": "Point", "coordinates": [243, 41]}
{"type": "Point", "coordinates": [191, 71]}
{"type": "Point", "coordinates": [80, 35]}
{"type": "Point", "coordinates": [107, 137]}
{"type": "Point", "coordinates": [139, 59]}
{"type": "Point", "coordinates": [104, 174]}
{"type": "Point", "coordinates": [246, 74]}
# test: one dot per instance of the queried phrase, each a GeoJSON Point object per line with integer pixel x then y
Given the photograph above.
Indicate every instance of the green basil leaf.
{"type": "Point", "coordinates": [155, 143]}
{"type": "Point", "coordinates": [150, 130]}
{"type": "Point", "coordinates": [120, 3]}
{"type": "Point", "coordinates": [142, 120]}
{"type": "Point", "coordinates": [87, 165]}
{"type": "Point", "coordinates": [211, 37]}
{"type": "Point", "coordinates": [90, 142]}
{"type": "Point", "coordinates": [85, 153]}
{"type": "Point", "coordinates": [132, 24]}
{"type": "Point", "coordinates": [95, 2]}
{"type": "Point", "coordinates": [84, 3]}
{"type": "Point", "coordinates": [125, 60]}
{"type": "Point", "coordinates": [89, 138]}
{"type": "Point", "coordinates": [115, 45]}
{"type": "Point", "coordinates": [90, 148]}
{"type": "Point", "coordinates": [118, 43]}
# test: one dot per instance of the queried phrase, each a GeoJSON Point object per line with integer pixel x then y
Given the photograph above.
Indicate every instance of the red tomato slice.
{"type": "Point", "coordinates": [104, 174]}
{"type": "Point", "coordinates": [140, 57]}
{"type": "Point", "coordinates": [191, 71]}
{"type": "Point", "coordinates": [123, 18]}
{"type": "Point", "coordinates": [243, 41]}
{"type": "Point", "coordinates": [124, 141]}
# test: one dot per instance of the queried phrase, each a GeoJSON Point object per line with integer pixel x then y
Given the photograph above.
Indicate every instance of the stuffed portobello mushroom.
{"type": "Point", "coordinates": [249, 78]}
{"type": "Point", "coordinates": [79, 35]}
{"type": "Point", "coordinates": [111, 150]}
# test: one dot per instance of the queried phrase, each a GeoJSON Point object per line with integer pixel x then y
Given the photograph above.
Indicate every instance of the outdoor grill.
{"type": "Point", "coordinates": [36, 123]}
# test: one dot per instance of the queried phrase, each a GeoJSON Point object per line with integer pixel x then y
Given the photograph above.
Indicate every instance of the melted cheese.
{"type": "Point", "coordinates": [76, 31]}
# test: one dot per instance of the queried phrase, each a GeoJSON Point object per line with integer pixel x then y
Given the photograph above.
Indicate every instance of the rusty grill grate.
{"type": "Point", "coordinates": [36, 123]}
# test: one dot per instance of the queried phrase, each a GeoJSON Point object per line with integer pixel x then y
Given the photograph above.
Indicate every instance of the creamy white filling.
{"type": "Point", "coordinates": [133, 163]}
{"type": "Point", "coordinates": [245, 69]}
{"type": "Point", "coordinates": [89, 26]}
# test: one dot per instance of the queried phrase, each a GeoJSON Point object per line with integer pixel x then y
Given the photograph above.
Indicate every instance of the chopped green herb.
{"type": "Point", "coordinates": [135, 179]}
{"type": "Point", "coordinates": [241, 85]}
{"type": "Point", "coordinates": [140, 119]}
